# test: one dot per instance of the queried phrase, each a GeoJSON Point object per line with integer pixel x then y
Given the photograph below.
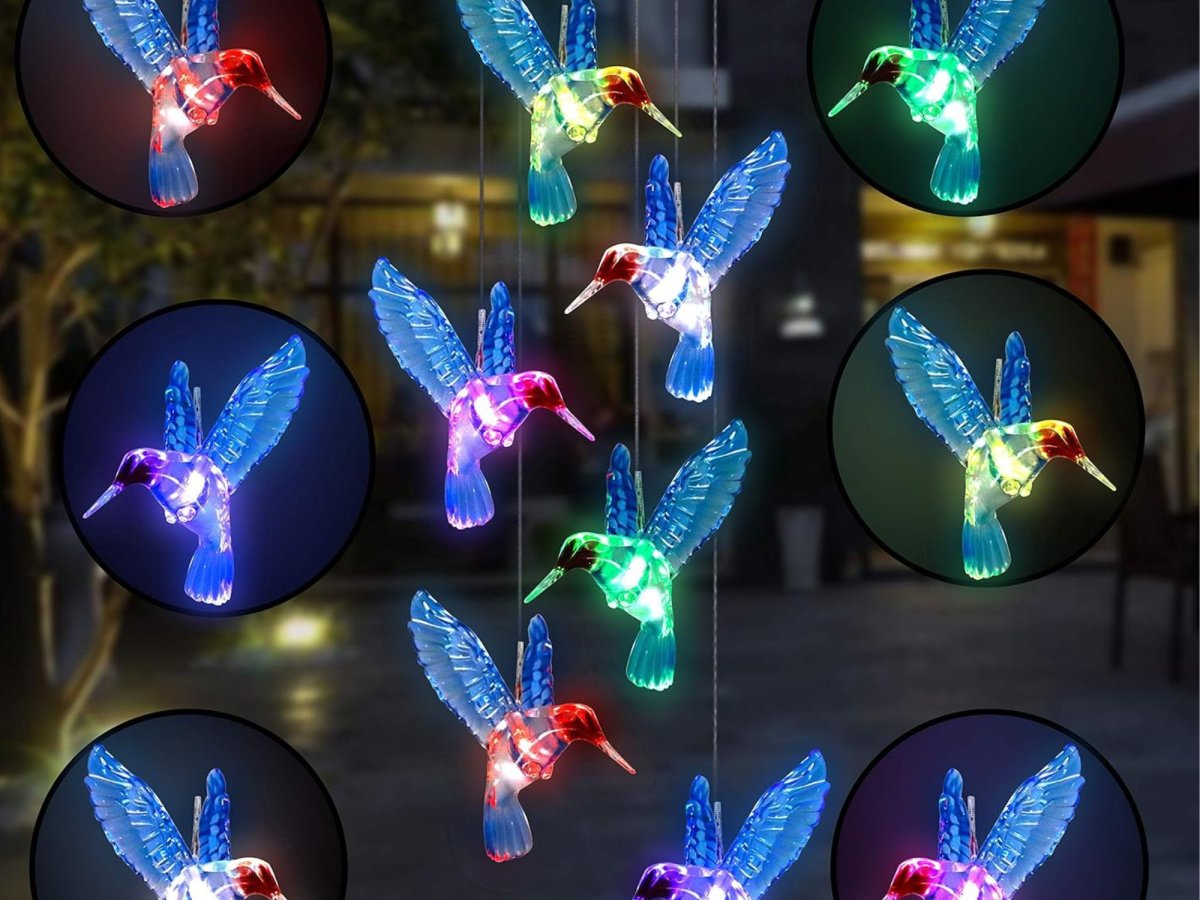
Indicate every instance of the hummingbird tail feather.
{"type": "Point", "coordinates": [172, 175]}
{"type": "Point", "coordinates": [468, 497]}
{"type": "Point", "coordinates": [690, 374]}
{"type": "Point", "coordinates": [652, 660]}
{"type": "Point", "coordinates": [210, 574]}
{"type": "Point", "coordinates": [956, 173]}
{"type": "Point", "coordinates": [985, 548]}
{"type": "Point", "coordinates": [551, 197]}
{"type": "Point", "coordinates": [506, 833]}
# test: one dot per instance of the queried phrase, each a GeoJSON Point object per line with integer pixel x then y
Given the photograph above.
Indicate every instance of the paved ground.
{"type": "Point", "coordinates": [844, 669]}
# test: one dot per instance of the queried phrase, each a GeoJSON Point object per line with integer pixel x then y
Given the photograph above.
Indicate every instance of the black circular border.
{"type": "Point", "coordinates": [176, 212]}
{"type": "Point", "coordinates": [990, 711]}
{"type": "Point", "coordinates": [987, 583]}
{"type": "Point", "coordinates": [965, 212]}
{"type": "Point", "coordinates": [192, 711]}
{"type": "Point", "coordinates": [367, 494]}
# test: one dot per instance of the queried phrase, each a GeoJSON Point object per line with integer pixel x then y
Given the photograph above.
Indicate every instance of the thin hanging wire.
{"type": "Point", "coordinates": [518, 182]}
{"type": "Point", "coordinates": [637, 224]}
{"type": "Point", "coordinates": [675, 164]}
{"type": "Point", "coordinates": [716, 720]}
{"type": "Point", "coordinates": [481, 196]}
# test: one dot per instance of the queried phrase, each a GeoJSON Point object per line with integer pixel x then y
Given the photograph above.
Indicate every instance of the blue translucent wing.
{"type": "Point", "coordinates": [138, 33]}
{"type": "Point", "coordinates": [135, 821]}
{"type": "Point", "coordinates": [420, 336]}
{"type": "Point", "coordinates": [700, 496]}
{"type": "Point", "coordinates": [581, 36]}
{"type": "Point", "coordinates": [937, 384]}
{"type": "Point", "coordinates": [537, 669]}
{"type": "Point", "coordinates": [214, 820]}
{"type": "Point", "coordinates": [180, 432]}
{"type": "Point", "coordinates": [954, 827]}
{"type": "Point", "coordinates": [1033, 822]}
{"type": "Point", "coordinates": [779, 826]}
{"type": "Point", "coordinates": [499, 348]}
{"type": "Point", "coordinates": [1016, 396]}
{"type": "Point", "coordinates": [702, 843]}
{"type": "Point", "coordinates": [620, 503]}
{"type": "Point", "coordinates": [509, 41]}
{"type": "Point", "coordinates": [661, 217]}
{"type": "Point", "coordinates": [257, 413]}
{"type": "Point", "coordinates": [927, 26]}
{"type": "Point", "coordinates": [990, 31]}
{"type": "Point", "coordinates": [739, 208]}
{"type": "Point", "coordinates": [459, 667]}
{"type": "Point", "coordinates": [201, 32]}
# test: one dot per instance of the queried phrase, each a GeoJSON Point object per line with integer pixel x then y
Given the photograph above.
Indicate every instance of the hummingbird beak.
{"type": "Point", "coordinates": [587, 294]}
{"type": "Point", "coordinates": [855, 92]}
{"type": "Point", "coordinates": [1090, 467]}
{"type": "Point", "coordinates": [567, 416]}
{"type": "Point", "coordinates": [611, 752]}
{"type": "Point", "coordinates": [271, 92]}
{"type": "Point", "coordinates": [556, 573]}
{"type": "Point", "coordinates": [113, 490]}
{"type": "Point", "coordinates": [656, 114]}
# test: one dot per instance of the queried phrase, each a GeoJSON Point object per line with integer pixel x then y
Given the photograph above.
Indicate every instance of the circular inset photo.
{"type": "Point", "coordinates": [188, 805]}
{"type": "Point", "coordinates": [217, 458]}
{"type": "Point", "coordinates": [899, 88]}
{"type": "Point", "coordinates": [986, 428]}
{"type": "Point", "coordinates": [138, 102]}
{"type": "Point", "coordinates": [975, 805]}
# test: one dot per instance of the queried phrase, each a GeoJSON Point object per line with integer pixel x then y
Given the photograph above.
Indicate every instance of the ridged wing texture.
{"type": "Point", "coordinates": [258, 413]}
{"type": "Point", "coordinates": [954, 826]}
{"type": "Point", "coordinates": [778, 828]}
{"type": "Point", "coordinates": [990, 31]}
{"type": "Point", "coordinates": [459, 667]}
{"type": "Point", "coordinates": [700, 496]}
{"type": "Point", "coordinates": [937, 384]}
{"type": "Point", "coordinates": [180, 432]}
{"type": "Point", "coordinates": [512, 45]}
{"type": "Point", "coordinates": [135, 822]}
{"type": "Point", "coordinates": [138, 33]}
{"type": "Point", "coordinates": [420, 336]}
{"type": "Point", "coordinates": [1033, 822]}
{"type": "Point", "coordinates": [701, 843]}
{"type": "Point", "coordinates": [740, 207]}
{"type": "Point", "coordinates": [537, 669]}
{"type": "Point", "coordinates": [927, 25]}
{"type": "Point", "coordinates": [499, 345]}
{"type": "Point", "coordinates": [620, 502]}
{"type": "Point", "coordinates": [581, 36]}
{"type": "Point", "coordinates": [214, 820]}
{"type": "Point", "coordinates": [662, 227]}
{"type": "Point", "coordinates": [1016, 394]}
{"type": "Point", "coordinates": [201, 31]}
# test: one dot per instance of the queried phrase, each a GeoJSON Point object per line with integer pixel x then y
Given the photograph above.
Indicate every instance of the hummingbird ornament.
{"type": "Point", "coordinates": [568, 99]}
{"type": "Point", "coordinates": [939, 77]}
{"type": "Point", "coordinates": [1003, 453]}
{"type": "Point", "coordinates": [142, 834]}
{"type": "Point", "coordinates": [523, 735]}
{"type": "Point", "coordinates": [485, 403]}
{"type": "Point", "coordinates": [775, 834]}
{"type": "Point", "coordinates": [194, 476]}
{"type": "Point", "coordinates": [634, 567]}
{"type": "Point", "coordinates": [190, 79]}
{"type": "Point", "coordinates": [1027, 832]}
{"type": "Point", "coordinates": [675, 277]}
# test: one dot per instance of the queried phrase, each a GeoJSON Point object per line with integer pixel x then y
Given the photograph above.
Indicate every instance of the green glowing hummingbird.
{"type": "Point", "coordinates": [635, 566]}
{"type": "Point", "coordinates": [940, 77]}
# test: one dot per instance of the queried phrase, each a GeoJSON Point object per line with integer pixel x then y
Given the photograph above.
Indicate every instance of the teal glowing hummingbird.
{"type": "Point", "coordinates": [940, 77]}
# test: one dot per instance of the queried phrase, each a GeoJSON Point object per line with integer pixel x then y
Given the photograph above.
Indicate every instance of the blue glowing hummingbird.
{"type": "Point", "coordinates": [675, 278]}
{"type": "Point", "coordinates": [194, 476]}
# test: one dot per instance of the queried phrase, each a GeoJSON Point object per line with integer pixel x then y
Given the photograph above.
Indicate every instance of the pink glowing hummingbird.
{"type": "Point", "coordinates": [142, 834]}
{"type": "Point", "coordinates": [485, 401]}
{"type": "Point", "coordinates": [189, 81]}
{"type": "Point", "coordinates": [1029, 829]}
{"type": "Point", "coordinates": [194, 476]}
{"type": "Point", "coordinates": [524, 735]}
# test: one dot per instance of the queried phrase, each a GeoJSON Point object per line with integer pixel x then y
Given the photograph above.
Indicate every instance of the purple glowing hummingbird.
{"type": "Point", "coordinates": [485, 401]}
{"type": "Point", "coordinates": [195, 475]}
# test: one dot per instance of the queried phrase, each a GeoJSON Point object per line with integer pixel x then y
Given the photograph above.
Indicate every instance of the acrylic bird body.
{"type": "Point", "coordinates": [944, 880]}
{"type": "Point", "coordinates": [227, 880]}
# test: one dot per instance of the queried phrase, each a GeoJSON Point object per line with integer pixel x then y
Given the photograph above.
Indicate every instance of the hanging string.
{"type": "Point", "coordinates": [715, 424]}
{"type": "Point", "coordinates": [481, 124]}
{"type": "Point", "coordinates": [518, 184]}
{"type": "Point", "coordinates": [637, 224]}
